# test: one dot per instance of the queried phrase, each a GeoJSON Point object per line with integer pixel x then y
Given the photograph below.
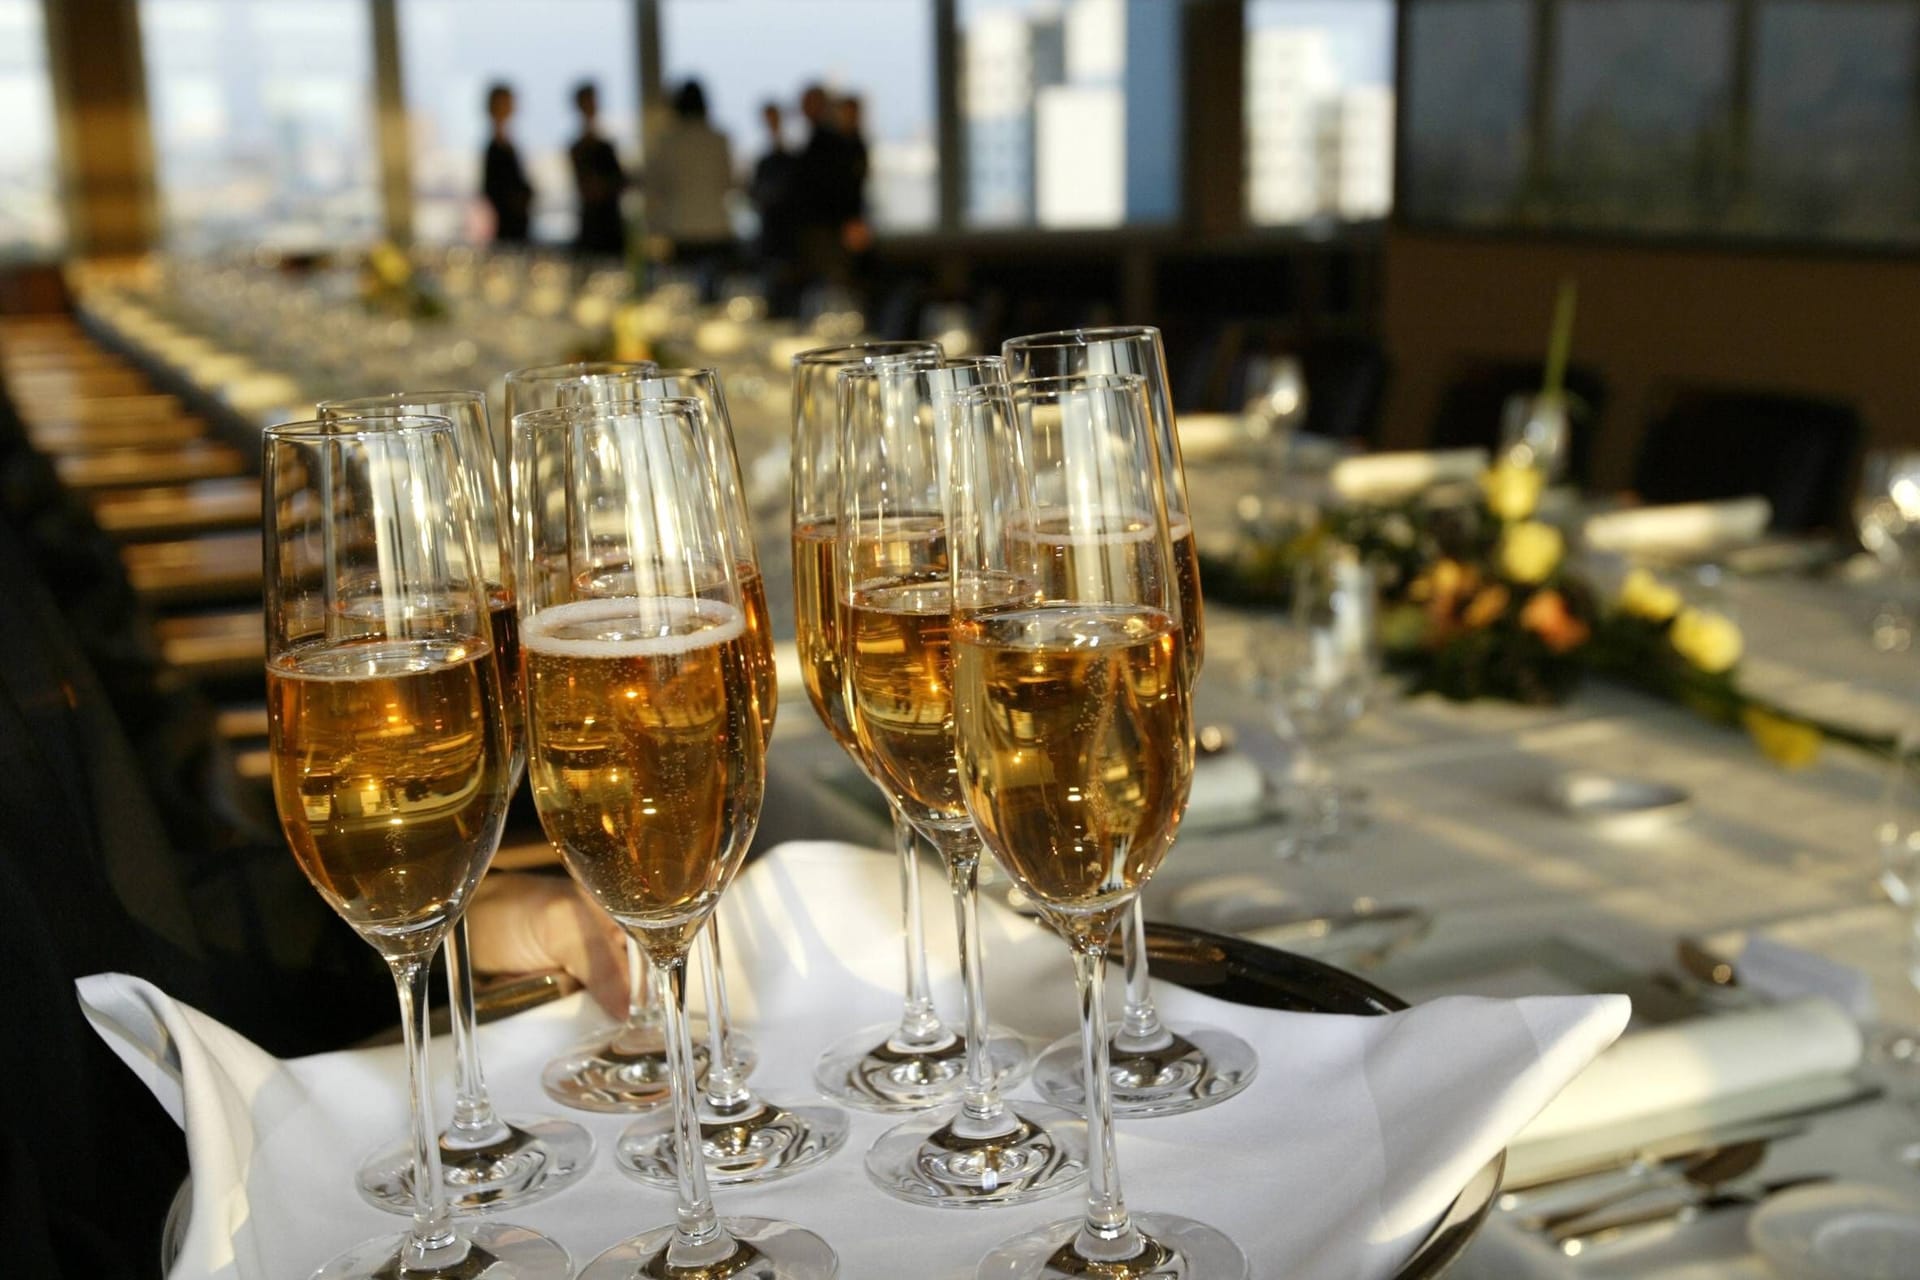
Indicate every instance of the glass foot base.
{"type": "Point", "coordinates": [1172, 1248]}
{"type": "Point", "coordinates": [536, 1158]}
{"type": "Point", "coordinates": [774, 1142]}
{"type": "Point", "coordinates": [762, 1249]}
{"type": "Point", "coordinates": [1198, 1067]}
{"type": "Point", "coordinates": [495, 1251]}
{"type": "Point", "coordinates": [926, 1162]}
{"type": "Point", "coordinates": [627, 1071]}
{"type": "Point", "coordinates": [872, 1071]}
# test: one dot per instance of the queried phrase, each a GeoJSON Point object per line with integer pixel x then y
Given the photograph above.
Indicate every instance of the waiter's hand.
{"type": "Point", "coordinates": [527, 923]}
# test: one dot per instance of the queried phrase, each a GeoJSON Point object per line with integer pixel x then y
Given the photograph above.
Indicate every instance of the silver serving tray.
{"type": "Point", "coordinates": [1228, 969]}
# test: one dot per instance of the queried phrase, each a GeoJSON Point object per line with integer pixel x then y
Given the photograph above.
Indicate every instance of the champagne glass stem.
{"type": "Point", "coordinates": [474, 1122]}
{"type": "Point", "coordinates": [982, 1115]}
{"type": "Point", "coordinates": [1107, 1235]}
{"type": "Point", "coordinates": [727, 1094]}
{"type": "Point", "coordinates": [919, 1024]}
{"type": "Point", "coordinates": [698, 1238]}
{"type": "Point", "coordinates": [1141, 1030]}
{"type": "Point", "coordinates": [433, 1245]}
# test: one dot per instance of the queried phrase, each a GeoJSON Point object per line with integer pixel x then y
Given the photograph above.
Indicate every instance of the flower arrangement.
{"type": "Point", "coordinates": [1478, 600]}
{"type": "Point", "coordinates": [389, 284]}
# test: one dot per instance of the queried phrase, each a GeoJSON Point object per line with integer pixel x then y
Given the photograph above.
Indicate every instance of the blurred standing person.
{"type": "Point", "coordinates": [688, 177]}
{"type": "Point", "coordinates": [503, 182]}
{"type": "Point", "coordinates": [771, 188]}
{"type": "Point", "coordinates": [827, 185]}
{"type": "Point", "coordinates": [599, 179]}
{"type": "Point", "coordinates": [856, 234]}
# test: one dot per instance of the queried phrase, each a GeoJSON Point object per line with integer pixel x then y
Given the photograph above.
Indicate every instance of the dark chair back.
{"type": "Point", "coordinates": [1793, 450]}
{"type": "Point", "coordinates": [1471, 409]}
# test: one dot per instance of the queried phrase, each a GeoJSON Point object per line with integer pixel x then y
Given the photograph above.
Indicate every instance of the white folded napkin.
{"type": "Point", "coordinates": [1724, 1069]}
{"type": "Point", "coordinates": [1227, 789]}
{"type": "Point", "coordinates": [1682, 528]}
{"type": "Point", "coordinates": [1387, 477]}
{"type": "Point", "coordinates": [1212, 435]}
{"type": "Point", "coordinates": [1355, 1136]}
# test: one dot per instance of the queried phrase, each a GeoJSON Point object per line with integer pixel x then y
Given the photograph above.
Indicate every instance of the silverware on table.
{"type": "Point", "coordinates": [1629, 1168]}
{"type": "Point", "coordinates": [1706, 1170]}
{"type": "Point", "coordinates": [1579, 1237]}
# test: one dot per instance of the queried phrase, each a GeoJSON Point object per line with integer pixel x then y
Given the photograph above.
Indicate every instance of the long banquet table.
{"type": "Point", "coordinates": [1524, 899]}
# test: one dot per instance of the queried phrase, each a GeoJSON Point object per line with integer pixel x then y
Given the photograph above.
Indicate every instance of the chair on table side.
{"type": "Point", "coordinates": [1473, 407]}
{"type": "Point", "coordinates": [1796, 451]}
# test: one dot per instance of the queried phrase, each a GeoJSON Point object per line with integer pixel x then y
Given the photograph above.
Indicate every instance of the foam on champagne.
{"type": "Point", "coordinates": [632, 627]}
{"type": "Point", "coordinates": [374, 659]}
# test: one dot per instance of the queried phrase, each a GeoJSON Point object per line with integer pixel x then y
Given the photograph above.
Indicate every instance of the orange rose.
{"type": "Point", "coordinates": [1484, 609]}
{"type": "Point", "coordinates": [1547, 616]}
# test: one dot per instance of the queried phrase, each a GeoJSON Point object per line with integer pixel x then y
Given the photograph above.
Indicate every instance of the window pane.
{"type": "Point", "coordinates": [1070, 112]}
{"type": "Point", "coordinates": [1319, 110]}
{"type": "Point", "coordinates": [262, 120]}
{"type": "Point", "coordinates": [30, 221]}
{"type": "Point", "coordinates": [746, 52]}
{"type": "Point", "coordinates": [452, 50]}
{"type": "Point", "coordinates": [1642, 129]}
{"type": "Point", "coordinates": [1833, 150]}
{"type": "Point", "coordinates": [1467, 109]}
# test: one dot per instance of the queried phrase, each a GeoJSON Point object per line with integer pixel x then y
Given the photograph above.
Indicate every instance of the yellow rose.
{"type": "Point", "coordinates": [1530, 551]}
{"type": "Point", "coordinates": [1512, 490]}
{"type": "Point", "coordinates": [1707, 639]}
{"type": "Point", "coordinates": [1789, 743]}
{"type": "Point", "coordinates": [390, 266]}
{"type": "Point", "coordinates": [1644, 596]}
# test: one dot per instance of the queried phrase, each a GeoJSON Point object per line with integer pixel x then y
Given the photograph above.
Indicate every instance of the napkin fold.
{"type": "Point", "coordinates": [1702, 1067]}
{"type": "Point", "coordinates": [1387, 477]}
{"type": "Point", "coordinates": [1681, 528]}
{"type": "Point", "coordinates": [1355, 1136]}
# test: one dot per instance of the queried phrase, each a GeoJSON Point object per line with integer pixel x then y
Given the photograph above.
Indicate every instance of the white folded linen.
{"type": "Point", "coordinates": [1354, 1137]}
{"type": "Point", "coordinates": [1685, 1065]}
{"type": "Point", "coordinates": [1683, 528]}
{"type": "Point", "coordinates": [1388, 477]}
{"type": "Point", "coordinates": [1227, 788]}
{"type": "Point", "coordinates": [1212, 435]}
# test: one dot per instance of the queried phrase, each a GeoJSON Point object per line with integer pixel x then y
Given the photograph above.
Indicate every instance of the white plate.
{"type": "Point", "coordinates": [1620, 806]}
{"type": "Point", "coordinates": [1841, 1231]}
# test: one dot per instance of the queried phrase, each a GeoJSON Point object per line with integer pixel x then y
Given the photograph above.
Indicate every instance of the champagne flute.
{"type": "Point", "coordinates": [624, 1069]}
{"type": "Point", "coordinates": [1074, 731]}
{"type": "Point", "coordinates": [917, 1062]}
{"type": "Point", "coordinates": [1158, 1070]}
{"type": "Point", "coordinates": [895, 608]}
{"type": "Point", "coordinates": [1886, 515]}
{"type": "Point", "coordinates": [392, 759]}
{"type": "Point", "coordinates": [644, 738]}
{"type": "Point", "coordinates": [745, 1137]}
{"type": "Point", "coordinates": [488, 1163]}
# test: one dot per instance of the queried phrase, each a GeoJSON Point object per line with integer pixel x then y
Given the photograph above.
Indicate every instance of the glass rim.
{"type": "Point", "coordinates": [1084, 337]}
{"type": "Point", "coordinates": [578, 369]}
{"type": "Point", "coordinates": [393, 403]}
{"type": "Point", "coordinates": [565, 415]}
{"type": "Point", "coordinates": [1012, 386]}
{"type": "Point", "coordinates": [857, 352]}
{"type": "Point", "coordinates": [682, 371]}
{"type": "Point", "coordinates": [358, 427]}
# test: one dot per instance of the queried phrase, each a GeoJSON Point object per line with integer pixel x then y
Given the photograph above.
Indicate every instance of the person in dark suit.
{"type": "Point", "coordinates": [598, 177]}
{"type": "Point", "coordinates": [827, 184]}
{"type": "Point", "coordinates": [503, 182]}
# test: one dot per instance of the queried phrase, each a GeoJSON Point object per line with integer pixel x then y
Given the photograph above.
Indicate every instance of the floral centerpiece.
{"type": "Point", "coordinates": [1480, 600]}
{"type": "Point", "coordinates": [390, 285]}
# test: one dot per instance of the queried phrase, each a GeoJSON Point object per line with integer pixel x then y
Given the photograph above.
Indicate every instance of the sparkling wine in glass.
{"type": "Point", "coordinates": [917, 1061]}
{"type": "Point", "coordinates": [1157, 1069]}
{"type": "Point", "coordinates": [895, 615]}
{"type": "Point", "coordinates": [745, 1137]}
{"type": "Point", "coordinates": [489, 1162]}
{"type": "Point", "coordinates": [1074, 732]}
{"type": "Point", "coordinates": [645, 744]}
{"type": "Point", "coordinates": [392, 755]}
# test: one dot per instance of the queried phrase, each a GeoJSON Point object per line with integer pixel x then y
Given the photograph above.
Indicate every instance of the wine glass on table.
{"type": "Point", "coordinates": [917, 1061]}
{"type": "Point", "coordinates": [1886, 515]}
{"type": "Point", "coordinates": [1074, 732]}
{"type": "Point", "coordinates": [745, 1137]}
{"type": "Point", "coordinates": [623, 1069]}
{"type": "Point", "coordinates": [392, 758]}
{"type": "Point", "coordinates": [488, 1162]}
{"type": "Point", "coordinates": [1158, 1070]}
{"type": "Point", "coordinates": [895, 610]}
{"type": "Point", "coordinates": [1319, 670]}
{"type": "Point", "coordinates": [644, 744]}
